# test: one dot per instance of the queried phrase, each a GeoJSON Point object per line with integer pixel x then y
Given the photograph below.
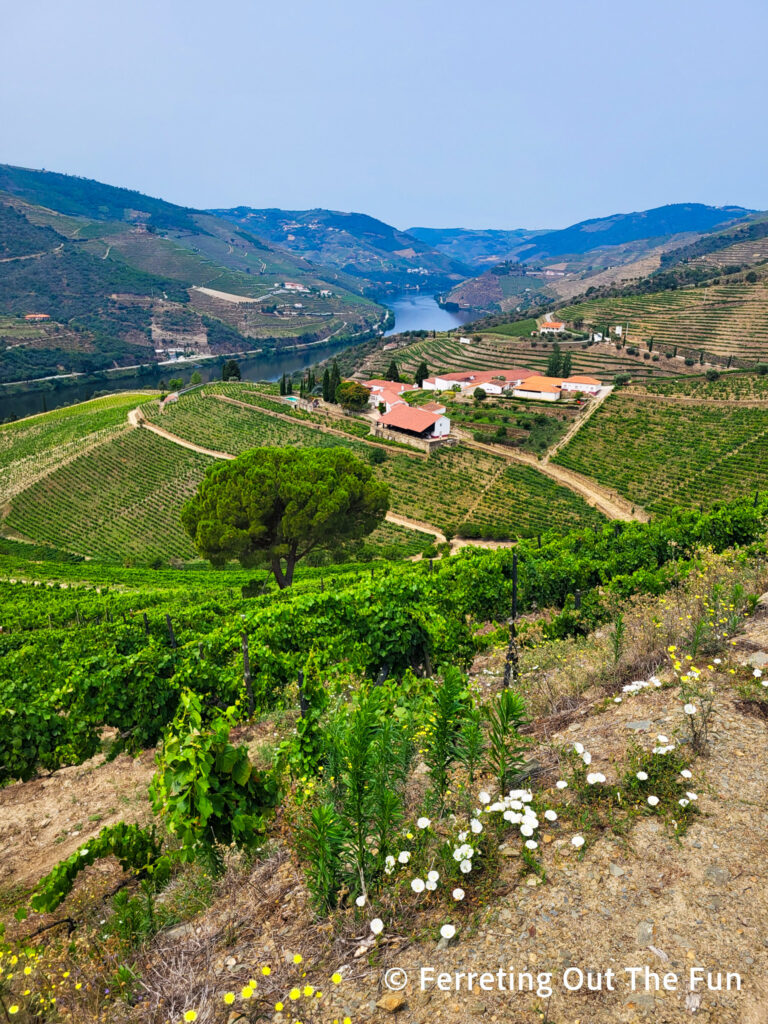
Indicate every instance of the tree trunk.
{"type": "Point", "coordinates": [284, 578]}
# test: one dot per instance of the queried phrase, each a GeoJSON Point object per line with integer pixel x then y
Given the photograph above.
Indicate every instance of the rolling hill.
{"type": "Point", "coordinates": [561, 264]}
{"type": "Point", "coordinates": [362, 246]}
{"type": "Point", "coordinates": [122, 278]}
{"type": "Point", "coordinates": [477, 248]}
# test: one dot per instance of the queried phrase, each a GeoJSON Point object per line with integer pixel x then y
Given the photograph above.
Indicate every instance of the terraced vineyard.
{"type": "Point", "coordinates": [660, 454]}
{"type": "Point", "coordinates": [120, 500]}
{"type": "Point", "coordinates": [445, 354]}
{"type": "Point", "coordinates": [730, 387]}
{"type": "Point", "coordinates": [524, 502]}
{"type": "Point", "coordinates": [32, 447]}
{"type": "Point", "coordinates": [725, 320]}
{"type": "Point", "coordinates": [440, 490]}
{"type": "Point", "coordinates": [232, 429]}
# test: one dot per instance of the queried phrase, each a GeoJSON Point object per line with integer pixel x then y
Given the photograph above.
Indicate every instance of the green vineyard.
{"type": "Point", "coordinates": [730, 387]}
{"type": "Point", "coordinates": [445, 354]}
{"type": "Point", "coordinates": [524, 502]}
{"type": "Point", "coordinates": [120, 500]}
{"type": "Point", "coordinates": [31, 447]}
{"type": "Point", "coordinates": [725, 320]}
{"type": "Point", "coordinates": [661, 454]}
{"type": "Point", "coordinates": [222, 427]}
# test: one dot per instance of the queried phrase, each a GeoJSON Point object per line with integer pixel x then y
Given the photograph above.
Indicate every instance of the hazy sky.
{"type": "Point", "coordinates": [489, 113]}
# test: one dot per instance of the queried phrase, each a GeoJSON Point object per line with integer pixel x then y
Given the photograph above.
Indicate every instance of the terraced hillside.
{"type": "Point", "coordinates": [496, 349]}
{"type": "Point", "coordinates": [727, 321]}
{"type": "Point", "coordinates": [32, 447]}
{"type": "Point", "coordinates": [660, 453]}
{"type": "Point", "coordinates": [84, 481]}
{"type": "Point", "coordinates": [730, 387]}
{"type": "Point", "coordinates": [447, 490]}
{"type": "Point", "coordinates": [125, 279]}
{"type": "Point", "coordinates": [120, 500]}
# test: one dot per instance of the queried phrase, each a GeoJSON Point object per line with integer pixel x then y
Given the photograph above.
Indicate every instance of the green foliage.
{"type": "Point", "coordinates": [422, 372]}
{"type": "Point", "coordinates": [505, 714]}
{"type": "Point", "coordinates": [353, 396]}
{"type": "Point", "coordinates": [444, 730]}
{"type": "Point", "coordinates": [392, 372]}
{"type": "Point", "coordinates": [333, 382]}
{"type": "Point", "coordinates": [273, 506]}
{"type": "Point", "coordinates": [137, 849]}
{"type": "Point", "coordinates": [230, 370]}
{"type": "Point", "coordinates": [304, 750]}
{"type": "Point", "coordinates": [682, 454]}
{"type": "Point", "coordinates": [348, 835]}
{"type": "Point", "coordinates": [555, 362]}
{"type": "Point", "coordinates": [206, 789]}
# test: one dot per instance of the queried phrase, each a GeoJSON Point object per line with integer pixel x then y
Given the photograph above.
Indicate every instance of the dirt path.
{"type": "Point", "coordinates": [578, 423]}
{"type": "Point", "coordinates": [32, 255]}
{"type": "Point", "coordinates": [604, 500]}
{"type": "Point", "coordinates": [414, 524]}
{"type": "Point", "coordinates": [136, 419]}
{"type": "Point", "coordinates": [317, 426]}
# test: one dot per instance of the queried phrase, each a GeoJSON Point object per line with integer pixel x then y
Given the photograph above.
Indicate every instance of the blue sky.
{"type": "Point", "coordinates": [495, 113]}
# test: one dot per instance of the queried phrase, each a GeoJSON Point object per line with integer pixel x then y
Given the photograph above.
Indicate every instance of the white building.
{"type": "Point", "coordinates": [552, 327]}
{"type": "Point", "coordinates": [588, 385]}
{"type": "Point", "coordinates": [543, 389]}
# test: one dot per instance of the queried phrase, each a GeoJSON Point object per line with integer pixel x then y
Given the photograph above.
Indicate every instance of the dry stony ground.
{"type": "Point", "coordinates": [640, 900]}
{"type": "Point", "coordinates": [643, 900]}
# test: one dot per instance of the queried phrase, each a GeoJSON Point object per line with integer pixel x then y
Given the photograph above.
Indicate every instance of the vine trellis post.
{"type": "Point", "coordinates": [512, 661]}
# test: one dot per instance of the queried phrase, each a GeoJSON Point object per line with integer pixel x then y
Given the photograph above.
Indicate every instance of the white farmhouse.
{"type": "Point", "coordinates": [552, 327]}
{"type": "Point", "coordinates": [587, 385]}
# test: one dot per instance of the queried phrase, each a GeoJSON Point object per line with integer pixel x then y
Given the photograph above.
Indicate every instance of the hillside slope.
{"type": "Point", "coordinates": [125, 278]}
{"type": "Point", "coordinates": [561, 264]}
{"type": "Point", "coordinates": [355, 243]}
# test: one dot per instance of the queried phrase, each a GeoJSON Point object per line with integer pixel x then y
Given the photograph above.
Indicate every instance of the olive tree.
{"type": "Point", "coordinates": [272, 506]}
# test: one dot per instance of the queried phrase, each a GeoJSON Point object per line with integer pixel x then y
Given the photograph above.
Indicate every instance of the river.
{"type": "Point", "coordinates": [417, 311]}
{"type": "Point", "coordinates": [414, 311]}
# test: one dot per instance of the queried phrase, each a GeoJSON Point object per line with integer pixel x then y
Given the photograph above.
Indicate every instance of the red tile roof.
{"type": "Point", "coordinates": [390, 397]}
{"type": "Point", "coordinates": [557, 324]}
{"type": "Point", "coordinates": [486, 376]}
{"type": "Point", "coordinates": [407, 418]}
{"type": "Point", "coordinates": [584, 380]}
{"type": "Point", "coordinates": [388, 385]}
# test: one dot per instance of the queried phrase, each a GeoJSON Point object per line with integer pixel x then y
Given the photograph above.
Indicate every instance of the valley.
{"type": "Point", "coordinates": [517, 681]}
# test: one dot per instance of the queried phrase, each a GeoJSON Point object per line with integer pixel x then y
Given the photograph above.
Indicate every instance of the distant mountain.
{"type": "Point", "coordinates": [355, 243]}
{"type": "Point", "coordinates": [550, 265]}
{"type": "Point", "coordinates": [623, 228]}
{"type": "Point", "coordinates": [124, 278]}
{"type": "Point", "coordinates": [476, 247]}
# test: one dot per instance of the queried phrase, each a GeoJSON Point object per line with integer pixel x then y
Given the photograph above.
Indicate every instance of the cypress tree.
{"type": "Point", "coordinates": [289, 385]}
{"type": "Point", "coordinates": [565, 370]}
{"type": "Point", "coordinates": [422, 372]}
{"type": "Point", "coordinates": [326, 385]}
{"type": "Point", "coordinates": [335, 380]}
{"type": "Point", "coordinates": [393, 373]}
{"type": "Point", "coordinates": [555, 362]}
{"type": "Point", "coordinates": [282, 385]}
